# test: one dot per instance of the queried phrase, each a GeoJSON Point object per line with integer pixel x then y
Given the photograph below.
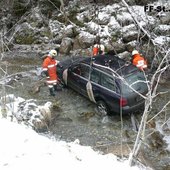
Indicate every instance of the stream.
{"type": "Point", "coordinates": [77, 118]}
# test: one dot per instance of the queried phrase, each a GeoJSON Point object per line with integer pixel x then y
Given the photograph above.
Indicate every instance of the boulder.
{"type": "Point", "coordinates": [103, 18]}
{"type": "Point", "coordinates": [130, 46]}
{"type": "Point", "coordinates": [20, 7]}
{"type": "Point", "coordinates": [143, 2]}
{"type": "Point", "coordinates": [124, 18]}
{"type": "Point", "coordinates": [116, 47]}
{"type": "Point", "coordinates": [57, 39]}
{"type": "Point", "coordinates": [25, 35]}
{"type": "Point", "coordinates": [129, 33]}
{"type": "Point", "coordinates": [85, 16]}
{"type": "Point", "coordinates": [162, 30]}
{"type": "Point", "coordinates": [36, 19]}
{"type": "Point", "coordinates": [164, 18]}
{"type": "Point", "coordinates": [93, 28]}
{"type": "Point", "coordinates": [66, 45]}
{"type": "Point", "coordinates": [125, 55]}
{"type": "Point", "coordinates": [113, 24]}
{"type": "Point", "coordinates": [70, 31]}
{"type": "Point", "coordinates": [83, 40]}
{"type": "Point", "coordinates": [131, 36]}
{"type": "Point", "coordinates": [33, 30]}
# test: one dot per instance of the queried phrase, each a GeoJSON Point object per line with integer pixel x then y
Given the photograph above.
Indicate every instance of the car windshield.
{"type": "Point", "coordinates": [136, 81]}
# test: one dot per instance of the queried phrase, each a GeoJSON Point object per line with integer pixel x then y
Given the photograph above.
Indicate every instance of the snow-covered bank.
{"type": "Point", "coordinates": [22, 148]}
{"type": "Point", "coordinates": [26, 112]}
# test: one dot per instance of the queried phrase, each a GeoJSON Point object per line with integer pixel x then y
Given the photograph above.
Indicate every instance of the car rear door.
{"type": "Point", "coordinates": [109, 91]}
{"type": "Point", "coordinates": [104, 88]}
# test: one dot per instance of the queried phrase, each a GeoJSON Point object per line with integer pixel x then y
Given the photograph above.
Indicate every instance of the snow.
{"type": "Point", "coordinates": [69, 26]}
{"type": "Point", "coordinates": [104, 32]}
{"type": "Point", "coordinates": [26, 112]}
{"type": "Point", "coordinates": [93, 26]}
{"type": "Point", "coordinates": [141, 15]}
{"type": "Point", "coordinates": [160, 127]}
{"type": "Point", "coordinates": [113, 23]}
{"type": "Point", "coordinates": [124, 16]}
{"type": "Point", "coordinates": [103, 16]}
{"type": "Point", "coordinates": [22, 148]}
{"type": "Point", "coordinates": [128, 28]}
{"type": "Point", "coordinates": [161, 40]}
{"type": "Point", "coordinates": [86, 34]}
{"type": "Point", "coordinates": [110, 8]}
{"type": "Point", "coordinates": [164, 27]}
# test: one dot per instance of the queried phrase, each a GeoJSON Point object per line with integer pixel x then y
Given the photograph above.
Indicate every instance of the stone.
{"type": "Point", "coordinates": [66, 45]}
{"type": "Point", "coordinates": [83, 40]}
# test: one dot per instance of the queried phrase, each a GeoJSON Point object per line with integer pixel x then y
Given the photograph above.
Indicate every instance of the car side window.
{"type": "Point", "coordinates": [76, 70]}
{"type": "Point", "coordinates": [108, 82]}
{"type": "Point", "coordinates": [95, 76]}
{"type": "Point", "coordinates": [84, 69]}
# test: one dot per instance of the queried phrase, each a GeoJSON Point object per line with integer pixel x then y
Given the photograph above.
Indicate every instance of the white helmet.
{"type": "Point", "coordinates": [135, 52]}
{"type": "Point", "coordinates": [53, 53]}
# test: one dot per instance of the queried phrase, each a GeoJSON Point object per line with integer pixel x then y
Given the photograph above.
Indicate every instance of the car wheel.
{"type": "Point", "coordinates": [102, 108]}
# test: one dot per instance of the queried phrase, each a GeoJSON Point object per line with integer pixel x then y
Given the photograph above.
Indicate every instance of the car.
{"type": "Point", "coordinates": [115, 85]}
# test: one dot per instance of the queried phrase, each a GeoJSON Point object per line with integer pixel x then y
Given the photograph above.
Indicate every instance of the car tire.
{"type": "Point", "coordinates": [102, 108]}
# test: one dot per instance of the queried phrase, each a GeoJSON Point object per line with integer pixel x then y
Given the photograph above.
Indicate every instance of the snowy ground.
{"type": "Point", "coordinates": [22, 148]}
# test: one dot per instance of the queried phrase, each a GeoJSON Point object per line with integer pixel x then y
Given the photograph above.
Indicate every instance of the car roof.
{"type": "Point", "coordinates": [111, 62]}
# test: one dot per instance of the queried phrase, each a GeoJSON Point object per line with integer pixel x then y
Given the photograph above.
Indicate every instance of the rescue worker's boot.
{"type": "Point", "coordinates": [51, 92]}
{"type": "Point", "coordinates": [57, 88]}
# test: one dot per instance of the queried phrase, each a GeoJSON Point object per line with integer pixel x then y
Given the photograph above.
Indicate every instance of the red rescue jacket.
{"type": "Point", "coordinates": [95, 50]}
{"type": "Point", "coordinates": [139, 62]}
{"type": "Point", "coordinates": [98, 49]}
{"type": "Point", "coordinates": [49, 64]}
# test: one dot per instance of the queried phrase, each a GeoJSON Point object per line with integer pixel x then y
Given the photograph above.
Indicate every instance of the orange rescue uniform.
{"type": "Point", "coordinates": [139, 62]}
{"type": "Point", "coordinates": [98, 49]}
{"type": "Point", "coordinates": [49, 65]}
{"type": "Point", "coordinates": [95, 49]}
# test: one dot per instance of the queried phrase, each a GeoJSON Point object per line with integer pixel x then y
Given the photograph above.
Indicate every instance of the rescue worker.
{"type": "Point", "coordinates": [101, 49]}
{"type": "Point", "coordinates": [98, 48]}
{"type": "Point", "coordinates": [50, 71]}
{"type": "Point", "coordinates": [138, 60]}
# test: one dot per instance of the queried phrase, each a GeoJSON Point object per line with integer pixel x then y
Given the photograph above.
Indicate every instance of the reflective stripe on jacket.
{"type": "Point", "coordinates": [49, 64]}
{"type": "Point", "coordinates": [139, 61]}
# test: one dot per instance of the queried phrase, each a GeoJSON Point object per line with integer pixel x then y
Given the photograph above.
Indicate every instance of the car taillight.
{"type": "Point", "coordinates": [123, 102]}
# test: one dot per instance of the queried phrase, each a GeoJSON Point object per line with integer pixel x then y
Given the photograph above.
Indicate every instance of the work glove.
{"type": "Point", "coordinates": [45, 74]}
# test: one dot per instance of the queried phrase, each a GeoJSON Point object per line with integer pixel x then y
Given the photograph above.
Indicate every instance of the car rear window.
{"type": "Point", "coordinates": [135, 80]}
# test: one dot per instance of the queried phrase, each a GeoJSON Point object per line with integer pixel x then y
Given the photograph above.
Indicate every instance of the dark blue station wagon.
{"type": "Point", "coordinates": [116, 86]}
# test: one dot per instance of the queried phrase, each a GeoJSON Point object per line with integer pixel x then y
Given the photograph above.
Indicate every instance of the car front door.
{"type": "Point", "coordinates": [84, 77]}
{"type": "Point", "coordinates": [78, 78]}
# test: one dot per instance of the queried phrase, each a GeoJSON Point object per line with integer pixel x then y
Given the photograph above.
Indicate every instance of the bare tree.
{"type": "Point", "coordinates": [152, 92]}
{"type": "Point", "coordinates": [3, 92]}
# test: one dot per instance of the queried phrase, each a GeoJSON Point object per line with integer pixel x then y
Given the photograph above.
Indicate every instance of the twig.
{"type": "Point", "coordinates": [164, 107]}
